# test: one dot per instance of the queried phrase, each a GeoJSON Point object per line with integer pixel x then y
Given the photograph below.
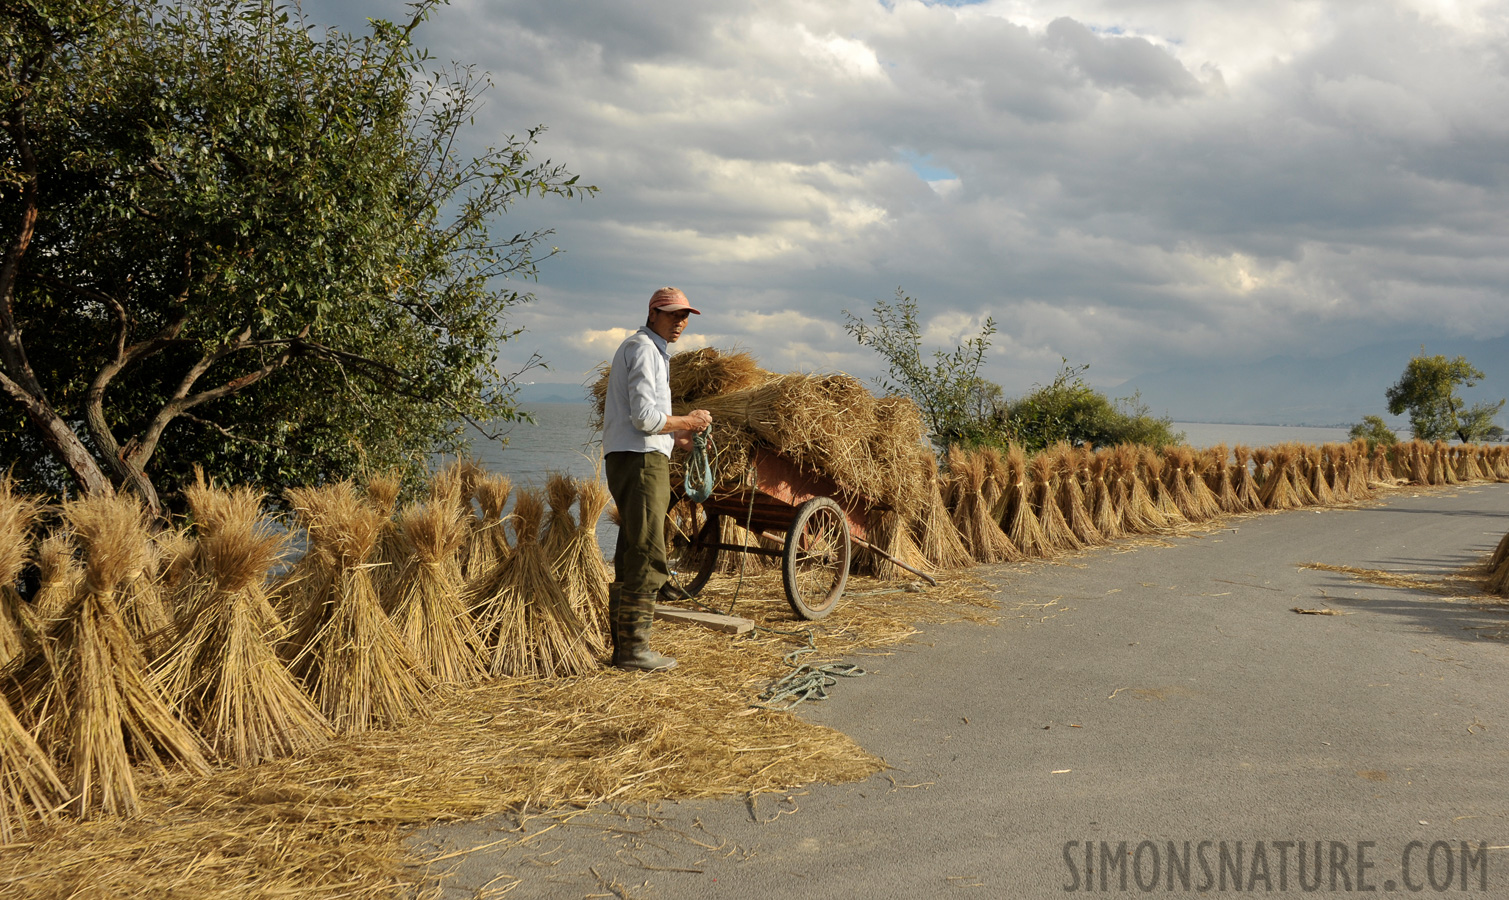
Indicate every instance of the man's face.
{"type": "Point", "coordinates": [669, 325]}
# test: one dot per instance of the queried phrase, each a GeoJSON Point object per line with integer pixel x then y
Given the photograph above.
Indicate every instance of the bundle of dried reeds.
{"type": "Point", "coordinates": [889, 532]}
{"type": "Point", "coordinates": [1316, 482]}
{"type": "Point", "coordinates": [29, 785]}
{"type": "Point", "coordinates": [1020, 522]}
{"type": "Point", "coordinates": [1440, 466]}
{"type": "Point", "coordinates": [1359, 467]}
{"type": "Point", "coordinates": [143, 608]}
{"type": "Point", "coordinates": [85, 691]}
{"type": "Point", "coordinates": [1498, 569]}
{"type": "Point", "coordinates": [1201, 496]}
{"type": "Point", "coordinates": [426, 604]}
{"type": "Point", "coordinates": [486, 544]}
{"type": "Point", "coordinates": [390, 553]}
{"type": "Point", "coordinates": [360, 670]}
{"type": "Point", "coordinates": [58, 577]}
{"type": "Point", "coordinates": [1383, 468]}
{"type": "Point", "coordinates": [707, 372]}
{"type": "Point", "coordinates": [1278, 488]}
{"type": "Point", "coordinates": [1153, 464]}
{"type": "Point", "coordinates": [560, 528]}
{"type": "Point", "coordinates": [302, 595]}
{"type": "Point", "coordinates": [1139, 514]}
{"type": "Point", "coordinates": [178, 558]}
{"type": "Point", "coordinates": [1104, 496]}
{"type": "Point", "coordinates": [932, 530]}
{"type": "Point", "coordinates": [1071, 496]}
{"type": "Point", "coordinates": [1186, 488]}
{"type": "Point", "coordinates": [223, 670]}
{"type": "Point", "coordinates": [17, 515]}
{"type": "Point", "coordinates": [580, 568]}
{"type": "Point", "coordinates": [997, 479]}
{"type": "Point", "coordinates": [1217, 473]}
{"type": "Point", "coordinates": [984, 538]}
{"type": "Point", "coordinates": [1245, 484]}
{"type": "Point", "coordinates": [526, 621]}
{"type": "Point", "coordinates": [1050, 517]}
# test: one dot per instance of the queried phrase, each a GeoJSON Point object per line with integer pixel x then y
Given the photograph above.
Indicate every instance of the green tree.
{"type": "Point", "coordinates": [1070, 410]}
{"type": "Point", "coordinates": [1375, 431]}
{"type": "Point", "coordinates": [236, 241]}
{"type": "Point", "coordinates": [1428, 391]}
{"type": "Point", "coordinates": [955, 401]}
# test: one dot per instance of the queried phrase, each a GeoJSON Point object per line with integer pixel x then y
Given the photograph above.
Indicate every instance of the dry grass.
{"type": "Point", "coordinates": [328, 825]}
{"type": "Point", "coordinates": [222, 670]}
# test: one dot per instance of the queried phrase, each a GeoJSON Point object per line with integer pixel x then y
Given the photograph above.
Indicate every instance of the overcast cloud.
{"type": "Point", "coordinates": [1133, 185]}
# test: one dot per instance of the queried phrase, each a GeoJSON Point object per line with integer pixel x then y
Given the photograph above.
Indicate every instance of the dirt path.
{"type": "Point", "coordinates": [1163, 695]}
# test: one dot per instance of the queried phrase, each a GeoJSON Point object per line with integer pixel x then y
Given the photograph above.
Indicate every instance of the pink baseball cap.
{"type": "Point", "coordinates": [671, 299]}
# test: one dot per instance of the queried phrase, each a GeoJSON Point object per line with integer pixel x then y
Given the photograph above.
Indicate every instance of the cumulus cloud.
{"type": "Point", "coordinates": [1133, 185]}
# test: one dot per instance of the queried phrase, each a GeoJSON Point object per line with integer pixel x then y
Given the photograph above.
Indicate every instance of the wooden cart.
{"type": "Point", "coordinates": [814, 523]}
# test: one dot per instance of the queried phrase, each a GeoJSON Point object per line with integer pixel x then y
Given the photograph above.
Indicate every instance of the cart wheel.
{"type": "Point", "coordinates": [816, 561]}
{"type": "Point", "coordinates": [695, 562]}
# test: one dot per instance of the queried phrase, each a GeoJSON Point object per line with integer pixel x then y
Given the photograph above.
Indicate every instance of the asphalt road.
{"type": "Point", "coordinates": [1155, 696]}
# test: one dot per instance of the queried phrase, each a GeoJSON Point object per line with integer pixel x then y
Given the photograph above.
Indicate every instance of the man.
{"type": "Point", "coordinates": [639, 433]}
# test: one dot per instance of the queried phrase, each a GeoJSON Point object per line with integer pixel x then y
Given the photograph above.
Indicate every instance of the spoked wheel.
{"type": "Point", "coordinates": [693, 558]}
{"type": "Point", "coordinates": [816, 560]}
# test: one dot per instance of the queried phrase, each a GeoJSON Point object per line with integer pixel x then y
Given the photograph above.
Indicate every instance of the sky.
{"type": "Point", "coordinates": [1131, 185]}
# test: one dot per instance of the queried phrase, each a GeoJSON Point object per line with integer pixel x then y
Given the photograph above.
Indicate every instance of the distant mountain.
{"type": "Point", "coordinates": [545, 392]}
{"type": "Point", "coordinates": [1283, 390]}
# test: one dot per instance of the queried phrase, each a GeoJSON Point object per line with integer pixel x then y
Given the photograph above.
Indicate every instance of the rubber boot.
{"type": "Point", "coordinates": [631, 635]}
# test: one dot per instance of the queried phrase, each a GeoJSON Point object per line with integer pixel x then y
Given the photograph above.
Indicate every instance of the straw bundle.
{"type": "Point", "coordinates": [223, 670]}
{"type": "Point", "coordinates": [1056, 533]}
{"type": "Point", "coordinates": [1219, 480]}
{"type": "Point", "coordinates": [580, 568]}
{"type": "Point", "coordinates": [1358, 469]}
{"type": "Point", "coordinates": [390, 552]}
{"type": "Point", "coordinates": [302, 595]}
{"type": "Point", "coordinates": [1139, 514]}
{"type": "Point", "coordinates": [1498, 569]}
{"type": "Point", "coordinates": [706, 372]}
{"type": "Point", "coordinates": [426, 603]}
{"type": "Point", "coordinates": [59, 576]}
{"type": "Point", "coordinates": [1440, 466]}
{"type": "Point", "coordinates": [486, 544]}
{"type": "Point", "coordinates": [1500, 553]}
{"type": "Point", "coordinates": [29, 785]}
{"type": "Point", "coordinates": [85, 691]}
{"type": "Point", "coordinates": [1202, 498]}
{"type": "Point", "coordinates": [1278, 488]}
{"type": "Point", "coordinates": [984, 539]}
{"type": "Point", "coordinates": [932, 530]}
{"type": "Point", "coordinates": [997, 479]}
{"type": "Point", "coordinates": [1157, 488]}
{"type": "Point", "coordinates": [1071, 496]}
{"type": "Point", "coordinates": [560, 528]}
{"type": "Point", "coordinates": [525, 618]}
{"type": "Point", "coordinates": [1245, 485]}
{"type": "Point", "coordinates": [1383, 468]}
{"type": "Point", "coordinates": [1021, 523]}
{"type": "Point", "coordinates": [1316, 482]}
{"type": "Point", "coordinates": [1103, 497]}
{"type": "Point", "coordinates": [889, 532]}
{"type": "Point", "coordinates": [1500, 463]}
{"type": "Point", "coordinates": [143, 608]}
{"type": "Point", "coordinates": [361, 673]}
{"type": "Point", "coordinates": [17, 515]}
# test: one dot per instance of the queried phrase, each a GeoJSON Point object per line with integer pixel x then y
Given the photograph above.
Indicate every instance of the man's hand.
{"type": "Point", "coordinates": [691, 423]}
{"type": "Point", "coordinates": [683, 439]}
